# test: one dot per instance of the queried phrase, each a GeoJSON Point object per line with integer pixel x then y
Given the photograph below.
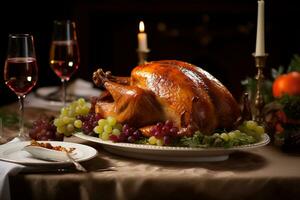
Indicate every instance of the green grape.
{"type": "Point", "coordinates": [232, 135]}
{"type": "Point", "coordinates": [73, 105]}
{"type": "Point", "coordinates": [66, 122]}
{"type": "Point", "coordinates": [159, 142]}
{"type": "Point", "coordinates": [61, 129]}
{"type": "Point", "coordinates": [251, 140]}
{"type": "Point", "coordinates": [98, 130]}
{"type": "Point", "coordinates": [224, 136]}
{"type": "Point", "coordinates": [81, 101]}
{"type": "Point", "coordinates": [152, 140]}
{"type": "Point", "coordinates": [247, 133]}
{"type": "Point", "coordinates": [58, 122]}
{"type": "Point", "coordinates": [78, 123]}
{"type": "Point", "coordinates": [111, 121]}
{"type": "Point", "coordinates": [64, 112]}
{"type": "Point", "coordinates": [116, 132]}
{"type": "Point", "coordinates": [118, 126]}
{"type": "Point", "coordinates": [107, 128]}
{"type": "Point", "coordinates": [237, 133]}
{"type": "Point", "coordinates": [259, 130]}
{"type": "Point", "coordinates": [70, 128]}
{"type": "Point", "coordinates": [102, 122]}
{"type": "Point", "coordinates": [101, 126]}
{"type": "Point", "coordinates": [71, 112]}
{"type": "Point", "coordinates": [251, 124]}
{"type": "Point", "coordinates": [86, 110]}
{"type": "Point", "coordinates": [78, 110]}
{"type": "Point", "coordinates": [105, 136]}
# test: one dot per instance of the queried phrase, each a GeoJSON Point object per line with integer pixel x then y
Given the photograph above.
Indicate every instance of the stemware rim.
{"type": "Point", "coordinates": [61, 21]}
{"type": "Point", "coordinates": [19, 35]}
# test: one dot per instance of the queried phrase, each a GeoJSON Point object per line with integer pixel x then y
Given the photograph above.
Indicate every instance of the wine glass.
{"type": "Point", "coordinates": [64, 52]}
{"type": "Point", "coordinates": [20, 70]}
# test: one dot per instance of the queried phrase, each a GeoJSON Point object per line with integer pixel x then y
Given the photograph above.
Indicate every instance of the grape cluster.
{"type": "Point", "coordinates": [44, 129]}
{"type": "Point", "coordinates": [228, 139]}
{"type": "Point", "coordinates": [128, 134]}
{"type": "Point", "coordinates": [163, 133]}
{"type": "Point", "coordinates": [248, 132]}
{"type": "Point", "coordinates": [107, 127]}
{"type": "Point", "coordinates": [252, 128]}
{"type": "Point", "coordinates": [87, 123]}
{"type": "Point", "coordinates": [110, 129]}
{"type": "Point", "coordinates": [65, 122]}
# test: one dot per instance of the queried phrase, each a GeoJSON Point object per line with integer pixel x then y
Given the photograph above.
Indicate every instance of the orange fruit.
{"type": "Point", "coordinates": [287, 84]}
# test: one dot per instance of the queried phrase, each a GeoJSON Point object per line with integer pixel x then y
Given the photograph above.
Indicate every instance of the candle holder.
{"type": "Point", "coordinates": [142, 55]}
{"type": "Point", "coordinates": [260, 61]}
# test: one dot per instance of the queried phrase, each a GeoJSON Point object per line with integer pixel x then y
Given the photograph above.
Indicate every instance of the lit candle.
{"type": "Point", "coordinates": [260, 34]}
{"type": "Point", "coordinates": [142, 38]}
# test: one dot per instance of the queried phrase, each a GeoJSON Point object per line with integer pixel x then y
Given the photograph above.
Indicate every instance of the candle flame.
{"type": "Point", "coordinates": [142, 26]}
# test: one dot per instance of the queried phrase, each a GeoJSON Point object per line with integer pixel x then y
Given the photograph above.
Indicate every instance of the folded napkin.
{"type": "Point", "coordinates": [7, 169]}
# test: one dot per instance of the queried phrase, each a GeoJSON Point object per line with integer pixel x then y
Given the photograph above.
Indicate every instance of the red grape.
{"type": "Point", "coordinates": [89, 122]}
{"type": "Point", "coordinates": [128, 134]}
{"type": "Point", "coordinates": [44, 129]}
{"type": "Point", "coordinates": [114, 138]}
{"type": "Point", "coordinates": [166, 131]}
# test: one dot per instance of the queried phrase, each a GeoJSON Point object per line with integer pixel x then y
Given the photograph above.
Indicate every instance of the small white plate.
{"type": "Point", "coordinates": [14, 152]}
{"type": "Point", "coordinates": [166, 153]}
{"type": "Point", "coordinates": [47, 154]}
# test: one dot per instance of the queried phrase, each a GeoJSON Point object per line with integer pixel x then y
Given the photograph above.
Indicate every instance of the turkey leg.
{"type": "Point", "coordinates": [130, 105]}
{"type": "Point", "coordinates": [100, 77]}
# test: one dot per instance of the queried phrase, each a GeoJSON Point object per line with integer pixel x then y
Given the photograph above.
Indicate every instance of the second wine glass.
{"type": "Point", "coordinates": [64, 52]}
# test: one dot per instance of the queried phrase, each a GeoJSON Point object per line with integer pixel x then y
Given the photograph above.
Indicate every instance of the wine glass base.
{"type": "Point", "coordinates": [23, 134]}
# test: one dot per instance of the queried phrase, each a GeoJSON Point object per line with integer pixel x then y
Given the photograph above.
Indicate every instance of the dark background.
{"type": "Point", "coordinates": [216, 35]}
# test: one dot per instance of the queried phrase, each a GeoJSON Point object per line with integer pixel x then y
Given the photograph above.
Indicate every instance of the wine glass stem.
{"type": "Point", "coordinates": [21, 100]}
{"type": "Point", "coordinates": [64, 91]}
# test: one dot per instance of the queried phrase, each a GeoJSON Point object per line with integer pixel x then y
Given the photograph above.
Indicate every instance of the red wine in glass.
{"type": "Point", "coordinates": [21, 70]}
{"type": "Point", "coordinates": [20, 74]}
{"type": "Point", "coordinates": [64, 58]}
{"type": "Point", "coordinates": [64, 52]}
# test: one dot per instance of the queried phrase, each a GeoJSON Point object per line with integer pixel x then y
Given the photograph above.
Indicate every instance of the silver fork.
{"type": "Point", "coordinates": [78, 166]}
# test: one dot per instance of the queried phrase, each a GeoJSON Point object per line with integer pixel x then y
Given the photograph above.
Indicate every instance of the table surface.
{"type": "Point", "coordinates": [261, 173]}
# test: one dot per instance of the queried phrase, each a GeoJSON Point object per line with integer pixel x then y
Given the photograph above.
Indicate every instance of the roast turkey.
{"type": "Point", "coordinates": [167, 90]}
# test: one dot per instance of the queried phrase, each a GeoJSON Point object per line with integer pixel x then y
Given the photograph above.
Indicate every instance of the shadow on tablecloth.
{"type": "Point", "coordinates": [238, 161]}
